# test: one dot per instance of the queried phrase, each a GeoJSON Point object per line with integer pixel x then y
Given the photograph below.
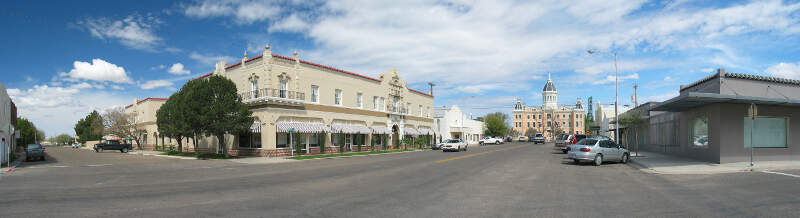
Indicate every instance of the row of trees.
{"type": "Point", "coordinates": [28, 132]}
{"type": "Point", "coordinates": [204, 107]}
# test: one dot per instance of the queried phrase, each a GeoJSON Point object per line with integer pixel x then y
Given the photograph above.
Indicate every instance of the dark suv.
{"type": "Point", "coordinates": [113, 145]}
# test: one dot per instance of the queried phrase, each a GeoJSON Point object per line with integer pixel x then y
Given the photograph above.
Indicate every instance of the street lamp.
{"type": "Point", "coordinates": [616, 92]}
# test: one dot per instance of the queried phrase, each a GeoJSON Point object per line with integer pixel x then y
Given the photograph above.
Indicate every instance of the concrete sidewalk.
{"type": "Point", "coordinates": [666, 164]}
{"type": "Point", "coordinates": [158, 154]}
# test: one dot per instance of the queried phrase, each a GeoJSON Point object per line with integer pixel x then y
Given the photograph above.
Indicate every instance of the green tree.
{"type": "Point", "coordinates": [63, 139]}
{"type": "Point", "coordinates": [495, 124]}
{"type": "Point", "coordinates": [89, 128]}
{"type": "Point", "coordinates": [633, 120]}
{"type": "Point", "coordinates": [171, 119]}
{"type": "Point", "coordinates": [193, 107]}
{"type": "Point", "coordinates": [225, 114]}
{"type": "Point", "coordinates": [28, 132]}
{"type": "Point", "coordinates": [530, 132]}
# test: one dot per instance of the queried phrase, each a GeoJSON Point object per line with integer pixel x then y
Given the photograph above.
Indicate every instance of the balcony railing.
{"type": "Point", "coordinates": [393, 109]}
{"type": "Point", "coordinates": [273, 93]}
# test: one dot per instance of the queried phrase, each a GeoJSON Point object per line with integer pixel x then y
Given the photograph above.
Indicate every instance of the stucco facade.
{"type": "Point", "coordinates": [452, 123]}
{"type": "Point", "coordinates": [7, 124]}
{"type": "Point", "coordinates": [321, 103]}
{"type": "Point", "coordinates": [144, 115]}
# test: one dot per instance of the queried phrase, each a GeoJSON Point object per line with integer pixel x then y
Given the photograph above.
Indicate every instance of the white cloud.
{"type": "Point", "coordinates": [707, 70]}
{"type": "Point", "coordinates": [210, 60]}
{"type": "Point", "coordinates": [292, 23]}
{"type": "Point", "coordinates": [668, 79]}
{"type": "Point", "coordinates": [116, 87]}
{"type": "Point", "coordinates": [81, 86]}
{"type": "Point", "coordinates": [177, 69]}
{"type": "Point", "coordinates": [152, 84]}
{"type": "Point", "coordinates": [659, 97]}
{"type": "Point", "coordinates": [612, 79]}
{"type": "Point", "coordinates": [785, 70]}
{"type": "Point", "coordinates": [134, 31]}
{"type": "Point", "coordinates": [99, 70]}
{"type": "Point", "coordinates": [244, 11]}
{"type": "Point", "coordinates": [57, 109]}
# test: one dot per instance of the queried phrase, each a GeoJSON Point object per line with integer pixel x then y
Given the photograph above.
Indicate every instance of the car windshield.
{"type": "Point", "coordinates": [112, 142]}
{"type": "Point", "coordinates": [538, 135]}
{"type": "Point", "coordinates": [34, 146]}
{"type": "Point", "coordinates": [587, 142]}
{"type": "Point", "coordinates": [452, 141]}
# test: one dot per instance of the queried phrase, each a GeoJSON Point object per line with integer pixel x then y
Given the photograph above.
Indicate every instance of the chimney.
{"type": "Point", "coordinates": [431, 88]}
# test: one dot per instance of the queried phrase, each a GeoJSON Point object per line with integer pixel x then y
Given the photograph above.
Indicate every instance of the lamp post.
{"type": "Point", "coordinates": [616, 92]}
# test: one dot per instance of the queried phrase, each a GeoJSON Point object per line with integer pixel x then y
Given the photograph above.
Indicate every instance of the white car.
{"type": "Point", "coordinates": [490, 140]}
{"type": "Point", "coordinates": [454, 145]}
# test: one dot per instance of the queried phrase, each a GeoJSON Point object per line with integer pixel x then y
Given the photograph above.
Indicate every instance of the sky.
{"type": "Point", "coordinates": [63, 59]}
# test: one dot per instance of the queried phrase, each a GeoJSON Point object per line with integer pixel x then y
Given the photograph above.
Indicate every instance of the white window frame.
{"type": "Point", "coordinates": [315, 93]}
{"type": "Point", "coordinates": [375, 102]}
{"type": "Point", "coordinates": [338, 97]}
{"type": "Point", "coordinates": [360, 100]}
{"type": "Point", "coordinates": [284, 89]}
{"type": "Point", "coordinates": [420, 110]}
{"type": "Point", "coordinates": [408, 108]}
{"type": "Point", "coordinates": [383, 104]}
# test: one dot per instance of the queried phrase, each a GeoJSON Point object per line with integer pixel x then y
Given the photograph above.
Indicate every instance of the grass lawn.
{"type": "Point", "coordinates": [198, 156]}
{"type": "Point", "coordinates": [305, 157]}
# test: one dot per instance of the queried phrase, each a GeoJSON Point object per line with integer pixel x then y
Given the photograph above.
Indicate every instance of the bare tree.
{"type": "Point", "coordinates": [118, 123]}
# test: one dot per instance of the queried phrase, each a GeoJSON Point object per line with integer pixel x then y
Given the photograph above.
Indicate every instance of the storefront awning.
{"type": "Point", "coordinates": [425, 132]}
{"type": "Point", "coordinates": [381, 130]}
{"type": "Point", "coordinates": [410, 131]}
{"type": "Point", "coordinates": [256, 127]}
{"type": "Point", "coordinates": [690, 100]}
{"type": "Point", "coordinates": [301, 127]}
{"type": "Point", "coordinates": [350, 129]}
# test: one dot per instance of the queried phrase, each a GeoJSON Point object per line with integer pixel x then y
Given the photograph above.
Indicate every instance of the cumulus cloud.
{"type": "Point", "coordinates": [785, 70]}
{"type": "Point", "coordinates": [210, 60]}
{"type": "Point", "coordinates": [99, 70]}
{"type": "Point", "coordinates": [612, 79]}
{"type": "Point", "coordinates": [152, 84]}
{"type": "Point", "coordinates": [243, 11]}
{"type": "Point", "coordinates": [177, 69]}
{"type": "Point", "coordinates": [292, 23]}
{"type": "Point", "coordinates": [134, 31]}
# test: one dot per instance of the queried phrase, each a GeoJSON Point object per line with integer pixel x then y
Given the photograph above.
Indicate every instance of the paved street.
{"type": "Point", "coordinates": [510, 180]}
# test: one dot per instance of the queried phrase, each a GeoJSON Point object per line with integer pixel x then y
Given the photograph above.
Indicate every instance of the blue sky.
{"type": "Point", "coordinates": [63, 59]}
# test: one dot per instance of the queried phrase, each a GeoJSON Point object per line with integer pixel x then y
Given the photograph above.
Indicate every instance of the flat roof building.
{"type": "Point", "coordinates": [710, 120]}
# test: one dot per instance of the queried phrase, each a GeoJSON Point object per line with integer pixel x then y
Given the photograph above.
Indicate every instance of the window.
{"type": "Point", "coordinates": [420, 110]}
{"type": "Point", "coordinates": [408, 108]}
{"type": "Point", "coordinates": [254, 88]}
{"type": "Point", "coordinates": [359, 101]}
{"type": "Point", "coordinates": [698, 132]}
{"type": "Point", "coordinates": [374, 102]}
{"type": "Point", "coordinates": [250, 140]}
{"type": "Point", "coordinates": [283, 140]}
{"type": "Point", "coordinates": [529, 125]}
{"type": "Point", "coordinates": [314, 94]}
{"type": "Point", "coordinates": [383, 104]}
{"type": "Point", "coordinates": [768, 132]}
{"type": "Point", "coordinates": [284, 88]}
{"type": "Point", "coordinates": [338, 97]}
{"type": "Point", "coordinates": [549, 116]}
{"type": "Point", "coordinates": [313, 140]}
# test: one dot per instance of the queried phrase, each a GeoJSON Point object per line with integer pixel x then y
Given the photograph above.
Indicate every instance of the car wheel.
{"type": "Point", "coordinates": [42, 157]}
{"type": "Point", "coordinates": [564, 151]}
{"type": "Point", "coordinates": [496, 143]}
{"type": "Point", "coordinates": [99, 150]}
{"type": "Point", "coordinates": [124, 150]}
{"type": "Point", "coordinates": [576, 161]}
{"type": "Point", "coordinates": [465, 149]}
{"type": "Point", "coordinates": [598, 160]}
{"type": "Point", "coordinates": [625, 158]}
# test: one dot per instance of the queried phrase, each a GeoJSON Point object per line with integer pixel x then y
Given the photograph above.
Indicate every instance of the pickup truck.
{"type": "Point", "coordinates": [490, 140]}
{"type": "Point", "coordinates": [113, 145]}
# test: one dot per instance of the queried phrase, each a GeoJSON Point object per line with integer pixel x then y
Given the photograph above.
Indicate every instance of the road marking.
{"type": "Point", "coordinates": [779, 173]}
{"type": "Point", "coordinates": [476, 154]}
{"type": "Point", "coordinates": [98, 165]}
{"type": "Point", "coordinates": [46, 167]}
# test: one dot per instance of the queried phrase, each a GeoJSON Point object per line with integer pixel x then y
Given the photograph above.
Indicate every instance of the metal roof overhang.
{"type": "Point", "coordinates": [691, 100]}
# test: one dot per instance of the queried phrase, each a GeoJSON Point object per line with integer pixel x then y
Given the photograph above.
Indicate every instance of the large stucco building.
{"type": "Point", "coordinates": [320, 104]}
{"type": "Point", "coordinates": [143, 112]}
{"type": "Point", "coordinates": [452, 123]}
{"type": "Point", "coordinates": [550, 116]}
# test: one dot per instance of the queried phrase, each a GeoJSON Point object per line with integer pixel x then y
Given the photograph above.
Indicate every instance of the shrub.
{"type": "Point", "coordinates": [322, 143]}
{"type": "Point", "coordinates": [171, 147]}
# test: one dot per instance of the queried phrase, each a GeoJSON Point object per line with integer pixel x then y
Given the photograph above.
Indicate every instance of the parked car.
{"type": "Point", "coordinates": [454, 145]}
{"type": "Point", "coordinates": [490, 140]}
{"type": "Point", "coordinates": [113, 145]}
{"type": "Point", "coordinates": [34, 151]}
{"type": "Point", "coordinates": [523, 139]}
{"type": "Point", "coordinates": [75, 145]}
{"type": "Point", "coordinates": [563, 140]}
{"type": "Point", "coordinates": [437, 146]}
{"type": "Point", "coordinates": [538, 138]}
{"type": "Point", "coordinates": [509, 139]}
{"type": "Point", "coordinates": [598, 150]}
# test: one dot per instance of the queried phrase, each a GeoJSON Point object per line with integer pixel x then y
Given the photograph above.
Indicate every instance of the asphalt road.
{"type": "Point", "coordinates": [510, 180]}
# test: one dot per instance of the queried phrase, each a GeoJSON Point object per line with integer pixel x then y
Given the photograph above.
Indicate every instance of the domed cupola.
{"type": "Point", "coordinates": [549, 95]}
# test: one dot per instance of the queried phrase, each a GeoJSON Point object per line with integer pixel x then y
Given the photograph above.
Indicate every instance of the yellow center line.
{"type": "Point", "coordinates": [476, 154]}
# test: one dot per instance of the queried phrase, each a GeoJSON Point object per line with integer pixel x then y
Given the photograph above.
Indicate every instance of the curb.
{"type": "Point", "coordinates": [168, 156]}
{"type": "Point", "coordinates": [363, 155]}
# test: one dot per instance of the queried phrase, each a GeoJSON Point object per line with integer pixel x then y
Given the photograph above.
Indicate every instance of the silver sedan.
{"type": "Point", "coordinates": [598, 150]}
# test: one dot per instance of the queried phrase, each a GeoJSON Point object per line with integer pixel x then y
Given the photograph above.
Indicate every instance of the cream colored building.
{"type": "Point", "coordinates": [549, 116]}
{"type": "Point", "coordinates": [452, 123]}
{"type": "Point", "coordinates": [144, 116]}
{"type": "Point", "coordinates": [321, 104]}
